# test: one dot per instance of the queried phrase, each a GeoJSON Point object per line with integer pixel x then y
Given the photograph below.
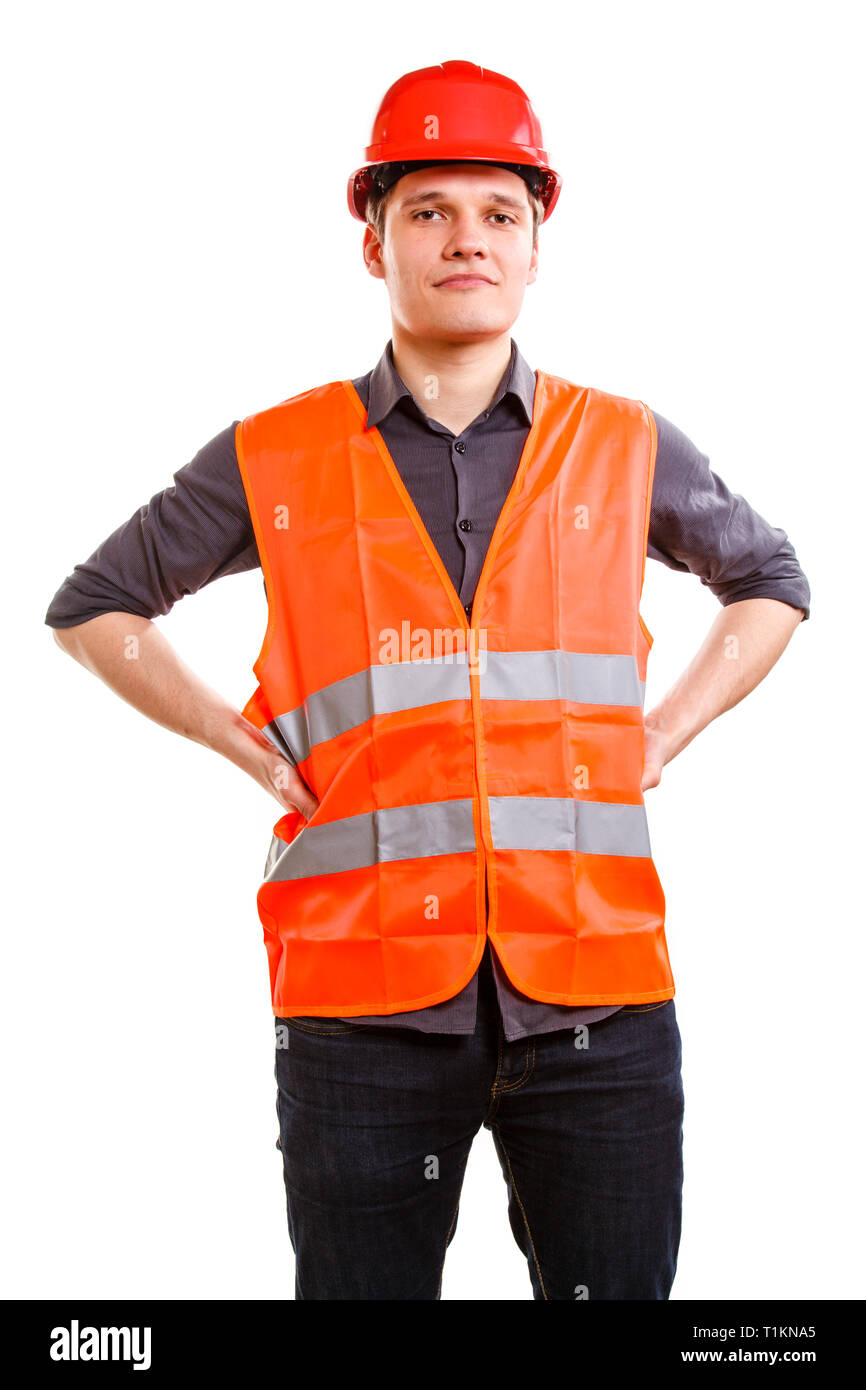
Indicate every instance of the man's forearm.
{"type": "Point", "coordinates": [135, 660]}
{"type": "Point", "coordinates": [743, 644]}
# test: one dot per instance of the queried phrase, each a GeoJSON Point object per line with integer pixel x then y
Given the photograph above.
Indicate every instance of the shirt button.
{"type": "Point", "coordinates": [468, 607]}
{"type": "Point", "coordinates": [465, 525]}
{"type": "Point", "coordinates": [460, 447]}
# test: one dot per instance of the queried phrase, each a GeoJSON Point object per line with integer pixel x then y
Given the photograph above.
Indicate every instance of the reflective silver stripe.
{"type": "Point", "coordinates": [356, 842]}
{"type": "Point", "coordinates": [384, 689]}
{"type": "Point", "coordinates": [446, 827]}
{"type": "Point", "coordinates": [564, 823]}
{"type": "Point", "coordinates": [588, 678]}
{"type": "Point", "coordinates": [278, 741]}
{"type": "Point", "coordinates": [273, 854]}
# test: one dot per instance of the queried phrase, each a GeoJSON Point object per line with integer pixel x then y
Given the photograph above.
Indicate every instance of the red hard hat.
{"type": "Point", "coordinates": [455, 111]}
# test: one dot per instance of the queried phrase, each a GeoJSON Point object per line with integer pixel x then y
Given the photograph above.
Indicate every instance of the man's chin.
{"type": "Point", "coordinates": [462, 327]}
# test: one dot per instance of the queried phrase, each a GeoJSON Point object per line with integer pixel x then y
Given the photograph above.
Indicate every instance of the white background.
{"type": "Point", "coordinates": [178, 254]}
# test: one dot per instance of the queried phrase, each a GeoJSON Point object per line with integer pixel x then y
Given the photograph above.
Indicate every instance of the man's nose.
{"type": "Point", "coordinates": [466, 239]}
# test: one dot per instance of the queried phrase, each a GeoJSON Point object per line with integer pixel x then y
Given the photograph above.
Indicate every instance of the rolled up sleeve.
{"type": "Point", "coordinates": [186, 536]}
{"type": "Point", "coordinates": [698, 524]}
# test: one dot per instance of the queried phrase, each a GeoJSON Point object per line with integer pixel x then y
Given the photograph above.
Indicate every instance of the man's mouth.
{"type": "Point", "coordinates": [463, 281]}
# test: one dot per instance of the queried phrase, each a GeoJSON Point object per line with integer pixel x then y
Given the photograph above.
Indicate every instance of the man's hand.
{"type": "Point", "coordinates": [258, 756]}
{"type": "Point", "coordinates": [743, 644]}
{"type": "Point", "coordinates": [133, 658]}
{"type": "Point", "coordinates": [654, 759]}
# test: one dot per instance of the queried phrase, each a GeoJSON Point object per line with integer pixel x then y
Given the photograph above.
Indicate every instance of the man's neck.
{"type": "Point", "coordinates": [452, 382]}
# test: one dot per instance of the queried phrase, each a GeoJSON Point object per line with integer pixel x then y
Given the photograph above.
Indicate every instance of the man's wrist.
{"type": "Point", "coordinates": [226, 731]}
{"type": "Point", "coordinates": [675, 725]}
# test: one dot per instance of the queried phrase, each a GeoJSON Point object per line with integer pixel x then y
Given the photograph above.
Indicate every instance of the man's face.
{"type": "Point", "coordinates": [453, 220]}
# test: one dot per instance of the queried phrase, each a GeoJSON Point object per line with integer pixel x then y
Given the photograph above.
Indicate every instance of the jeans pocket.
{"type": "Point", "coordinates": [326, 1027]}
{"type": "Point", "coordinates": [643, 1008]}
{"type": "Point", "coordinates": [279, 1116]}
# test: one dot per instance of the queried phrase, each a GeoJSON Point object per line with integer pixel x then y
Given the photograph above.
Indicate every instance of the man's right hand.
{"type": "Point", "coordinates": [131, 655]}
{"type": "Point", "coordinates": [278, 776]}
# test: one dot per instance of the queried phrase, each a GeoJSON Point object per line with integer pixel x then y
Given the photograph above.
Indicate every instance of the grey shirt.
{"type": "Point", "coordinates": [199, 530]}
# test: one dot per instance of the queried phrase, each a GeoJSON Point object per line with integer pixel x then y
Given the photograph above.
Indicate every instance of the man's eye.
{"type": "Point", "coordinates": [425, 211]}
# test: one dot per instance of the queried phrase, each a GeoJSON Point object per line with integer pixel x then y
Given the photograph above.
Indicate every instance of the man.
{"type": "Point", "coordinates": [463, 923]}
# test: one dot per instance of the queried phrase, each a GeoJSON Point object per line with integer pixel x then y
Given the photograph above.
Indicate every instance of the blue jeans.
{"type": "Point", "coordinates": [376, 1125]}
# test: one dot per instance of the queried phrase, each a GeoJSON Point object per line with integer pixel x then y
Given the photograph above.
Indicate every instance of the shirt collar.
{"type": "Point", "coordinates": [387, 387]}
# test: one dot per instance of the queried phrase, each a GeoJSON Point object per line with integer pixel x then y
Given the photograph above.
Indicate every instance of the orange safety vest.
{"type": "Point", "coordinates": [442, 751]}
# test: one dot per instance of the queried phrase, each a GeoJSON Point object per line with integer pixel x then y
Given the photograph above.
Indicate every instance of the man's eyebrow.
{"type": "Point", "coordinates": [493, 197]}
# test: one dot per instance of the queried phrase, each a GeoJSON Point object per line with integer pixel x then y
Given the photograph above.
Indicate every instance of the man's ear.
{"type": "Point", "coordinates": [533, 265]}
{"type": "Point", "coordinates": [372, 252]}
